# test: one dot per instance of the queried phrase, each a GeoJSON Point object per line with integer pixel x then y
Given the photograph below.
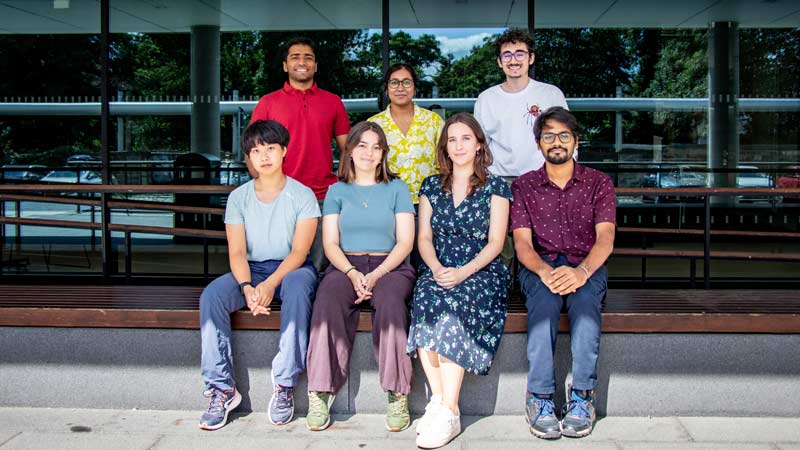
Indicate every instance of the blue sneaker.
{"type": "Point", "coordinates": [221, 404]}
{"type": "Point", "coordinates": [541, 416]}
{"type": "Point", "coordinates": [281, 405]}
{"type": "Point", "coordinates": [578, 415]}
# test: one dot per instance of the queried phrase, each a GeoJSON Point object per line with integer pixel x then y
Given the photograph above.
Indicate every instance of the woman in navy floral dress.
{"type": "Point", "coordinates": [459, 306]}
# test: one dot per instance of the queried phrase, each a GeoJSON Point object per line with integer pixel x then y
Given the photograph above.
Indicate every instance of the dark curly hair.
{"type": "Point", "coordinates": [513, 35]}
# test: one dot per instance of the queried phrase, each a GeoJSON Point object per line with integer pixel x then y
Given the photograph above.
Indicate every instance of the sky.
{"type": "Point", "coordinates": [458, 41]}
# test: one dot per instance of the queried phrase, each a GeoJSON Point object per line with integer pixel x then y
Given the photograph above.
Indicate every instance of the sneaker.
{"type": "Point", "coordinates": [541, 415]}
{"type": "Point", "coordinates": [441, 429]}
{"type": "Point", "coordinates": [319, 410]}
{"type": "Point", "coordinates": [221, 404]}
{"type": "Point", "coordinates": [397, 417]}
{"type": "Point", "coordinates": [431, 409]}
{"type": "Point", "coordinates": [578, 415]}
{"type": "Point", "coordinates": [281, 405]}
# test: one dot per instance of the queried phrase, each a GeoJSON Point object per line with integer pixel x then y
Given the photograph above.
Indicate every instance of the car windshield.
{"type": "Point", "coordinates": [62, 174]}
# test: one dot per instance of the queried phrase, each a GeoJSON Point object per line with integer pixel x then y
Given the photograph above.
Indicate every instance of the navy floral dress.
{"type": "Point", "coordinates": [465, 323]}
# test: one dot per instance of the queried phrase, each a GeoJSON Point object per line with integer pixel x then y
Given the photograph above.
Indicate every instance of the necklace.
{"type": "Point", "coordinates": [364, 202]}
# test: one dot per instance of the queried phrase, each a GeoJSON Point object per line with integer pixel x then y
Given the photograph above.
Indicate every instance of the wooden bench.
{"type": "Point", "coordinates": [625, 310]}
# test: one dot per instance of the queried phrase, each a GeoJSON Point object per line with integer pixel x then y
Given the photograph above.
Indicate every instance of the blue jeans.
{"type": "Point", "coordinates": [544, 313]}
{"type": "Point", "coordinates": [222, 297]}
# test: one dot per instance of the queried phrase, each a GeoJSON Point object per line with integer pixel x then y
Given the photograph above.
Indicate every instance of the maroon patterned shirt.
{"type": "Point", "coordinates": [562, 221]}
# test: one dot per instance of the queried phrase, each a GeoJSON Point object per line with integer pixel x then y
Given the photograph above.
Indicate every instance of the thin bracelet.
{"type": "Point", "coordinates": [382, 269]}
{"type": "Point", "coordinates": [585, 270]}
{"type": "Point", "coordinates": [349, 269]}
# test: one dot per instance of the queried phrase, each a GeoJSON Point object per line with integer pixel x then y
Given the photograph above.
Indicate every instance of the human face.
{"type": "Point", "coordinates": [557, 152]}
{"type": "Point", "coordinates": [462, 145]}
{"type": "Point", "coordinates": [367, 154]}
{"type": "Point", "coordinates": [515, 68]}
{"type": "Point", "coordinates": [300, 64]}
{"type": "Point", "coordinates": [267, 159]}
{"type": "Point", "coordinates": [401, 95]}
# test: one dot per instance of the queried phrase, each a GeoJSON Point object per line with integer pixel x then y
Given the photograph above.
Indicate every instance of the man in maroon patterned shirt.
{"type": "Point", "coordinates": [563, 218]}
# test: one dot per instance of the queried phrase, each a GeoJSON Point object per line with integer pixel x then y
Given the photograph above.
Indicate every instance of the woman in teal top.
{"type": "Point", "coordinates": [367, 233]}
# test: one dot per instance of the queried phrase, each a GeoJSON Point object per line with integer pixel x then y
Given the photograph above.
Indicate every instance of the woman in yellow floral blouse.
{"type": "Point", "coordinates": [412, 131]}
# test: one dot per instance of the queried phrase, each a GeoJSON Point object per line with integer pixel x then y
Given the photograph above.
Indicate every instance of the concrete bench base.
{"type": "Point", "coordinates": [640, 374]}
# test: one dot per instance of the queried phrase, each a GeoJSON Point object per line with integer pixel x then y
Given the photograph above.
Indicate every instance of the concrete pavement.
{"type": "Point", "coordinates": [85, 429]}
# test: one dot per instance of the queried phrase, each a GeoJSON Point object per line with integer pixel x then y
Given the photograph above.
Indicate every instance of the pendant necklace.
{"type": "Point", "coordinates": [364, 202]}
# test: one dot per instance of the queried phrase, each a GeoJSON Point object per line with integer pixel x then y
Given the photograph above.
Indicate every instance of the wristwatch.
{"type": "Point", "coordinates": [243, 284]}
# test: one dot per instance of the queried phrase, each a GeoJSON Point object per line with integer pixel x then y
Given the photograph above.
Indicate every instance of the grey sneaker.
{"type": "Point", "coordinates": [220, 405]}
{"type": "Point", "coordinates": [319, 410]}
{"type": "Point", "coordinates": [578, 415]}
{"type": "Point", "coordinates": [281, 405]}
{"type": "Point", "coordinates": [541, 416]}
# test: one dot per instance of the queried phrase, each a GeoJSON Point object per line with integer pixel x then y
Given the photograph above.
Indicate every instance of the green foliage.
{"type": "Point", "coordinates": [468, 76]}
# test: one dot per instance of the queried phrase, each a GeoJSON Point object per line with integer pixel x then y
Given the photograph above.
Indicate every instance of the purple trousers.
{"type": "Point", "coordinates": [334, 322]}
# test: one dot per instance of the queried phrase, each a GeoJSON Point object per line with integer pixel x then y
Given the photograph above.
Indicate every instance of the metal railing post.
{"type": "Point", "coordinates": [707, 242]}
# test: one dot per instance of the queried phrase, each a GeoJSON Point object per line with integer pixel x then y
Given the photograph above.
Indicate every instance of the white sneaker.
{"type": "Point", "coordinates": [443, 427]}
{"type": "Point", "coordinates": [431, 409]}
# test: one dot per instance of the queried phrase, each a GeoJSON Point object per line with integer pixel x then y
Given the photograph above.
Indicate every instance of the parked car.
{"type": "Point", "coordinates": [73, 177]}
{"type": "Point", "coordinates": [790, 180]}
{"type": "Point", "coordinates": [681, 177]}
{"type": "Point", "coordinates": [753, 179]}
{"type": "Point", "coordinates": [19, 174]}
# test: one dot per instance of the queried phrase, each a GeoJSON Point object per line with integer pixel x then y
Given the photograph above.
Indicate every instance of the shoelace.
{"type": "Point", "coordinates": [397, 404]}
{"type": "Point", "coordinates": [284, 396]}
{"type": "Point", "coordinates": [217, 402]}
{"type": "Point", "coordinates": [314, 403]}
{"type": "Point", "coordinates": [544, 407]}
{"type": "Point", "coordinates": [573, 405]}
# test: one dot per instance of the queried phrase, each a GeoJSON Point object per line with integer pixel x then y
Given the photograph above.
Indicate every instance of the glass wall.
{"type": "Point", "coordinates": [185, 77]}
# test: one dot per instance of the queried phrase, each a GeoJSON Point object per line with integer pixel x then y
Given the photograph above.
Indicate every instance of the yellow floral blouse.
{"type": "Point", "coordinates": [412, 156]}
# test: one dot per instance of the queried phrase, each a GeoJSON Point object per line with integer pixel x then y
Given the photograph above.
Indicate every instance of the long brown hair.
{"type": "Point", "coordinates": [347, 170]}
{"type": "Point", "coordinates": [482, 161]}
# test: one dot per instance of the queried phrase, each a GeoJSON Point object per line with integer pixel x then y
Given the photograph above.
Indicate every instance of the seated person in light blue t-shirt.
{"type": "Point", "coordinates": [270, 224]}
{"type": "Point", "coordinates": [367, 232]}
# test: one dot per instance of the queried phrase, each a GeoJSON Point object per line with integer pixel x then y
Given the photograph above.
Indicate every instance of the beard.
{"type": "Point", "coordinates": [555, 159]}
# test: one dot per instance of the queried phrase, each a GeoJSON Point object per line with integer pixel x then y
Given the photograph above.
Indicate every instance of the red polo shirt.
{"type": "Point", "coordinates": [313, 117]}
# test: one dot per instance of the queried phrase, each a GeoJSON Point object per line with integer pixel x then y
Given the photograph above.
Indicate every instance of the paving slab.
{"type": "Point", "coordinates": [79, 441]}
{"type": "Point", "coordinates": [696, 446]}
{"type": "Point", "coordinates": [742, 429]}
{"type": "Point", "coordinates": [6, 436]}
{"type": "Point", "coordinates": [632, 429]}
{"type": "Point", "coordinates": [169, 422]}
{"type": "Point", "coordinates": [791, 446]}
{"type": "Point", "coordinates": [55, 419]}
{"type": "Point", "coordinates": [208, 442]}
{"type": "Point", "coordinates": [560, 444]}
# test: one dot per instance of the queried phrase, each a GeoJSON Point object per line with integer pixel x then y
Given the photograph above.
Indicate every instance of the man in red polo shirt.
{"type": "Point", "coordinates": [313, 117]}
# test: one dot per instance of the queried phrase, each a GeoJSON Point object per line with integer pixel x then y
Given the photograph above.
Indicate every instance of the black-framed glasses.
{"type": "Point", "coordinates": [519, 55]}
{"type": "Point", "coordinates": [394, 83]}
{"type": "Point", "coordinates": [565, 137]}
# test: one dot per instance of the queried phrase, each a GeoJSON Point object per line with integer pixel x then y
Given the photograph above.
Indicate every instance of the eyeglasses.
{"type": "Point", "coordinates": [519, 55]}
{"type": "Point", "coordinates": [394, 83]}
{"type": "Point", "coordinates": [565, 137]}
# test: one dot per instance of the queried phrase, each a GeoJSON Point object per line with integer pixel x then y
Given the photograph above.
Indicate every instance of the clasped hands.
{"type": "Point", "coordinates": [260, 297]}
{"type": "Point", "coordinates": [450, 277]}
{"type": "Point", "coordinates": [363, 284]}
{"type": "Point", "coordinates": [563, 280]}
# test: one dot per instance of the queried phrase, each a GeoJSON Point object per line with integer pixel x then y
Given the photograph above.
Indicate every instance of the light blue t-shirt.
{"type": "Point", "coordinates": [366, 214]}
{"type": "Point", "coordinates": [269, 227]}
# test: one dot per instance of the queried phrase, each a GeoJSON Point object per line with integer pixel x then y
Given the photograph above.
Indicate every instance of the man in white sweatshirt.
{"type": "Point", "coordinates": [508, 111]}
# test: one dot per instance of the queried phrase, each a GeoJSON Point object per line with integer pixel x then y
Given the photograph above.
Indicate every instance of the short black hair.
{"type": "Point", "coordinates": [264, 132]}
{"type": "Point", "coordinates": [299, 40]}
{"type": "Point", "coordinates": [513, 35]}
{"type": "Point", "coordinates": [557, 114]}
{"type": "Point", "coordinates": [399, 66]}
